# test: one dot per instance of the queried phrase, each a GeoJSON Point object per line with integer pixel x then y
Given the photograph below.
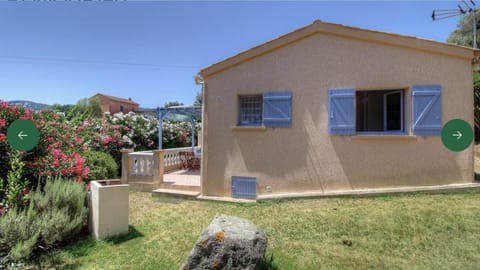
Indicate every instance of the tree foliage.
{"type": "Point", "coordinates": [85, 109]}
{"type": "Point", "coordinates": [102, 165]}
{"type": "Point", "coordinates": [172, 104]}
{"type": "Point", "coordinates": [463, 35]}
{"type": "Point", "coordinates": [198, 99]}
{"type": "Point", "coordinates": [60, 107]}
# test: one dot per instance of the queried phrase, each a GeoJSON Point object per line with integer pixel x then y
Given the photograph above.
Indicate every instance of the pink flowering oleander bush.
{"type": "Point", "coordinates": [8, 114]}
{"type": "Point", "coordinates": [58, 152]}
{"type": "Point", "coordinates": [63, 144]}
{"type": "Point", "coordinates": [60, 148]}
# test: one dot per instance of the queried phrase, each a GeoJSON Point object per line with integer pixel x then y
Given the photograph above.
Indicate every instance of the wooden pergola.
{"type": "Point", "coordinates": [191, 111]}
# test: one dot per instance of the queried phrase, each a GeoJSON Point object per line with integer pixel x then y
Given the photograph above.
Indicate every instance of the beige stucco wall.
{"type": "Point", "coordinates": [305, 157]}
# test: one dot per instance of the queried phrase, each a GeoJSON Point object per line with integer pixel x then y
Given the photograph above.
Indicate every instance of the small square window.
{"type": "Point", "coordinates": [250, 109]}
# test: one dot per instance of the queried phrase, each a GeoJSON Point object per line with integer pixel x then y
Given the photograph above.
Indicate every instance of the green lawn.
{"type": "Point", "coordinates": [398, 232]}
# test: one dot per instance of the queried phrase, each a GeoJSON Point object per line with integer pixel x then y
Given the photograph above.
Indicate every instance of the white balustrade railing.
{"type": "Point", "coordinates": [172, 158]}
{"type": "Point", "coordinates": [141, 163]}
{"type": "Point", "coordinates": [149, 166]}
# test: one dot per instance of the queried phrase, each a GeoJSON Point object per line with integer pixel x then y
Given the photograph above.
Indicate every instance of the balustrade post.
{"type": "Point", "coordinates": [158, 166]}
{"type": "Point", "coordinates": [125, 165]}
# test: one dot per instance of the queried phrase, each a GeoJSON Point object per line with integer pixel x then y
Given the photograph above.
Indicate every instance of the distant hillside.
{"type": "Point", "coordinates": [34, 106]}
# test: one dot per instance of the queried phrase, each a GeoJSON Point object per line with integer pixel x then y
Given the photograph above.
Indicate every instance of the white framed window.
{"type": "Point", "coordinates": [353, 112]}
{"type": "Point", "coordinates": [380, 111]}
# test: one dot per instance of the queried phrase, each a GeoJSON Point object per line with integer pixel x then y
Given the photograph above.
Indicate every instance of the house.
{"type": "Point", "coordinates": [114, 105]}
{"type": "Point", "coordinates": [331, 108]}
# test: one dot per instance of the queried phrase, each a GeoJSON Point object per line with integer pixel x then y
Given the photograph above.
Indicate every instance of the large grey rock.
{"type": "Point", "coordinates": [228, 243]}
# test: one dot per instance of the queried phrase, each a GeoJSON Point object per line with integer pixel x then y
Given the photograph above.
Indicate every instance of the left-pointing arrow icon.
{"type": "Point", "coordinates": [21, 135]}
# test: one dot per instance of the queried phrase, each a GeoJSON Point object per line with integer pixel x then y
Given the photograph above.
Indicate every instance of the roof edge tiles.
{"type": "Point", "coordinates": [339, 30]}
{"type": "Point", "coordinates": [124, 100]}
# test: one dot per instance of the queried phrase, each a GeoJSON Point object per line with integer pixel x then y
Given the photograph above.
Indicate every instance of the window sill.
{"type": "Point", "coordinates": [384, 137]}
{"type": "Point", "coordinates": [249, 128]}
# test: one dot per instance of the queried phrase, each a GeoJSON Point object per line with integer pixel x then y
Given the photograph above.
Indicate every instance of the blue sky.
{"type": "Point", "coordinates": [60, 52]}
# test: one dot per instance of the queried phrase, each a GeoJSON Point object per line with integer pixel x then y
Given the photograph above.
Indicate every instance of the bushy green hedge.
{"type": "Point", "coordinates": [5, 154]}
{"type": "Point", "coordinates": [102, 165]}
{"type": "Point", "coordinates": [53, 215]}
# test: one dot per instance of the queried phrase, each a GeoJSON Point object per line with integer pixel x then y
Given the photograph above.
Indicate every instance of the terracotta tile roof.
{"type": "Point", "coordinates": [339, 30]}
{"type": "Point", "coordinates": [124, 100]}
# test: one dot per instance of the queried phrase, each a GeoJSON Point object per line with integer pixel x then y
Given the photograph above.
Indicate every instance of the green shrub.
{"type": "Point", "coordinates": [13, 191]}
{"type": "Point", "coordinates": [101, 165]}
{"type": "Point", "coordinates": [5, 154]}
{"type": "Point", "coordinates": [54, 215]}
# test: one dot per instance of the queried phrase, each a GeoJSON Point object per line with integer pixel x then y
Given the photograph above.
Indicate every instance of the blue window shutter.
{"type": "Point", "coordinates": [277, 109]}
{"type": "Point", "coordinates": [427, 110]}
{"type": "Point", "coordinates": [244, 187]}
{"type": "Point", "coordinates": [341, 111]}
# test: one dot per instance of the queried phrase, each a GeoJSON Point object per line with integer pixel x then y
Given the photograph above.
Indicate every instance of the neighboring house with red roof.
{"type": "Point", "coordinates": [114, 105]}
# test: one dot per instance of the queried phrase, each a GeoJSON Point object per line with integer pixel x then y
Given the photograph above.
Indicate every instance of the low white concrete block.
{"type": "Point", "coordinates": [108, 208]}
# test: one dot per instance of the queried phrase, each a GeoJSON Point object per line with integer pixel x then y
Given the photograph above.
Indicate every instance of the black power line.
{"type": "Point", "coordinates": [83, 61]}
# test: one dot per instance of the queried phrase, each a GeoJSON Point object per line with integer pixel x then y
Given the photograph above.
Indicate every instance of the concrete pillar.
{"type": "Point", "coordinates": [158, 166]}
{"type": "Point", "coordinates": [125, 164]}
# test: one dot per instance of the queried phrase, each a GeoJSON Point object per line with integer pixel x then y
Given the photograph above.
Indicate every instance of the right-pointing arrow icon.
{"type": "Point", "coordinates": [458, 135]}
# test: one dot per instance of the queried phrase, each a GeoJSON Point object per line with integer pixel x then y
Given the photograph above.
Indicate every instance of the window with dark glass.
{"type": "Point", "coordinates": [379, 111]}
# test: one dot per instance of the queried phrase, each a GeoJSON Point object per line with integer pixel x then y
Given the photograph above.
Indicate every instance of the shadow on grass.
{"type": "Point", "coordinates": [82, 246]}
{"type": "Point", "coordinates": [51, 261]}
{"type": "Point", "coordinates": [269, 264]}
{"type": "Point", "coordinates": [132, 234]}
{"type": "Point", "coordinates": [169, 200]}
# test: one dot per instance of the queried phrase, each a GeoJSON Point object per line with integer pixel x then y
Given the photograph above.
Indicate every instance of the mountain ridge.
{"type": "Point", "coordinates": [27, 104]}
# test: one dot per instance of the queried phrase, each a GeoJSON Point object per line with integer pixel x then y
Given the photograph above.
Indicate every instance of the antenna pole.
{"type": "Point", "coordinates": [447, 13]}
{"type": "Point", "coordinates": [474, 29]}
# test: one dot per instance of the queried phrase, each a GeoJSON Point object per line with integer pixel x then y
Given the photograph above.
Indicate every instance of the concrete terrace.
{"type": "Point", "coordinates": [181, 183]}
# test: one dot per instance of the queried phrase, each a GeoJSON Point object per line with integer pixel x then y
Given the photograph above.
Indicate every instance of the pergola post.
{"type": "Point", "coordinates": [189, 111]}
{"type": "Point", "coordinates": [160, 132]}
{"type": "Point", "coordinates": [193, 134]}
{"type": "Point", "coordinates": [161, 114]}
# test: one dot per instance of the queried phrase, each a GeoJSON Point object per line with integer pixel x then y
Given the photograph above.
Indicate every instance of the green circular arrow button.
{"type": "Point", "coordinates": [22, 135]}
{"type": "Point", "coordinates": [457, 135]}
